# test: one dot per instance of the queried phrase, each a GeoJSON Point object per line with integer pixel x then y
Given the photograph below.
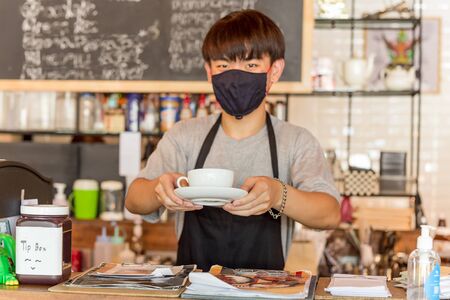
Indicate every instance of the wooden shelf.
{"type": "Point", "coordinates": [68, 133]}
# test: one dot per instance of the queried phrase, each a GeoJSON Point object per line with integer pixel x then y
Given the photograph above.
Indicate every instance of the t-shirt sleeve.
{"type": "Point", "coordinates": [310, 171]}
{"type": "Point", "coordinates": [167, 157]}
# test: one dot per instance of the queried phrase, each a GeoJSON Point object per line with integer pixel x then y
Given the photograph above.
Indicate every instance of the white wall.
{"type": "Point", "coordinates": [384, 123]}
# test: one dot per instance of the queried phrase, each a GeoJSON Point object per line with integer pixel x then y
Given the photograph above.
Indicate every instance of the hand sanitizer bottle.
{"type": "Point", "coordinates": [60, 197]}
{"type": "Point", "coordinates": [424, 269]}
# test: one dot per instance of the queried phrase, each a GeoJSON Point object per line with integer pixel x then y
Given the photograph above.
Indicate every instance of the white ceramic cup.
{"type": "Point", "coordinates": [208, 177]}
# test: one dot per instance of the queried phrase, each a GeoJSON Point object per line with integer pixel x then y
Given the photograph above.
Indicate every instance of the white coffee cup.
{"type": "Point", "coordinates": [208, 177]}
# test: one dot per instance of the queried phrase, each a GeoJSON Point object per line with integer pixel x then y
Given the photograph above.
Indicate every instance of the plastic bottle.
{"type": "Point", "coordinates": [133, 112]}
{"type": "Point", "coordinates": [150, 114]}
{"type": "Point", "coordinates": [99, 122]}
{"type": "Point", "coordinates": [117, 245]}
{"type": "Point", "coordinates": [102, 248]}
{"type": "Point", "coordinates": [214, 106]}
{"type": "Point", "coordinates": [186, 112]}
{"type": "Point", "coordinates": [87, 112]}
{"type": "Point", "coordinates": [424, 269]}
{"type": "Point", "coordinates": [136, 241]}
{"type": "Point", "coordinates": [65, 117]}
{"type": "Point", "coordinates": [169, 108]}
{"type": "Point", "coordinates": [60, 196]}
{"type": "Point", "coordinates": [202, 111]}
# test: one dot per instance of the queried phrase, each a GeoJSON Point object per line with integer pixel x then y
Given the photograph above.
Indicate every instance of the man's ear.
{"type": "Point", "coordinates": [208, 71]}
{"type": "Point", "coordinates": [276, 70]}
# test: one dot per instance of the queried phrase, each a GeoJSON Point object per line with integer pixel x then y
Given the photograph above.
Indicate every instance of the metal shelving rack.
{"type": "Point", "coordinates": [414, 25]}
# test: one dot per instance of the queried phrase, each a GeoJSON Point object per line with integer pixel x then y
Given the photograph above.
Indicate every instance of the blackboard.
{"type": "Point", "coordinates": [130, 44]}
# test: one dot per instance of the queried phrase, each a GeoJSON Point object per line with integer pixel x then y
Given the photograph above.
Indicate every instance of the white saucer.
{"type": "Point", "coordinates": [210, 196]}
{"type": "Point", "coordinates": [210, 202]}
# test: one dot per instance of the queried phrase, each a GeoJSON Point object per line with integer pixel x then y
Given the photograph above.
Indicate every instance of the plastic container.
{"type": "Point", "coordinates": [133, 103]}
{"type": "Point", "coordinates": [85, 198]}
{"type": "Point", "coordinates": [117, 245]}
{"type": "Point", "coordinates": [169, 111]}
{"type": "Point", "coordinates": [102, 248]}
{"type": "Point", "coordinates": [41, 110]}
{"type": "Point", "coordinates": [87, 107]}
{"type": "Point", "coordinates": [43, 244]}
{"type": "Point", "coordinates": [111, 200]}
{"type": "Point", "coordinates": [201, 110]}
{"type": "Point", "coordinates": [424, 269]}
{"type": "Point", "coordinates": [186, 112]}
{"type": "Point", "coordinates": [150, 115]}
{"type": "Point", "coordinates": [65, 117]}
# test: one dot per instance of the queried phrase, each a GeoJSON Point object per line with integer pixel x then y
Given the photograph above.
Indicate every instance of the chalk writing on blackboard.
{"type": "Point", "coordinates": [62, 41]}
{"type": "Point", "coordinates": [126, 40]}
{"type": "Point", "coordinates": [190, 21]}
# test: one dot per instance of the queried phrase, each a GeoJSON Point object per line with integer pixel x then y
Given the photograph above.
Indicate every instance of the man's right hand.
{"type": "Point", "coordinates": [166, 196]}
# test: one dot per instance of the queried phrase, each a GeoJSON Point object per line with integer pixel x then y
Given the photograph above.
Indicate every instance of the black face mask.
{"type": "Point", "coordinates": [239, 92]}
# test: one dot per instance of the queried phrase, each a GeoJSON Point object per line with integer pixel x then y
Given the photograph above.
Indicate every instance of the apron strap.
{"type": "Point", "coordinates": [273, 146]}
{"type": "Point", "coordinates": [204, 151]}
{"type": "Point", "coordinates": [209, 140]}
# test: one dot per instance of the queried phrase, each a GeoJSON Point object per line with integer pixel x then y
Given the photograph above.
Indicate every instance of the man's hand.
{"type": "Point", "coordinates": [166, 196]}
{"type": "Point", "coordinates": [264, 193]}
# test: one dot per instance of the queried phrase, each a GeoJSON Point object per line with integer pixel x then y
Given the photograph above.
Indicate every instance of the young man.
{"type": "Point", "coordinates": [280, 165]}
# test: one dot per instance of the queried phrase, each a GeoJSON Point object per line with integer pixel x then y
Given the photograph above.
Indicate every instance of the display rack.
{"type": "Point", "coordinates": [414, 25]}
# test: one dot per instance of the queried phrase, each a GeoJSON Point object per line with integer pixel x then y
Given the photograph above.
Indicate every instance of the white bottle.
{"type": "Point", "coordinates": [117, 245]}
{"type": "Point", "coordinates": [201, 110]}
{"type": "Point", "coordinates": [60, 197]}
{"type": "Point", "coordinates": [186, 112]}
{"type": "Point", "coordinates": [102, 248]}
{"type": "Point", "coordinates": [424, 269]}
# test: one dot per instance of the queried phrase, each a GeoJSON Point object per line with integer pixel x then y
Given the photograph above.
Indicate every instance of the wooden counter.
{"type": "Point", "coordinates": [35, 292]}
{"type": "Point", "coordinates": [40, 292]}
{"type": "Point", "coordinates": [397, 293]}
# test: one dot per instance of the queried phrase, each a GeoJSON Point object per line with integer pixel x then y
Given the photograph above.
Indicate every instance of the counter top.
{"type": "Point", "coordinates": [397, 293]}
{"type": "Point", "coordinates": [40, 292]}
{"type": "Point", "coordinates": [36, 292]}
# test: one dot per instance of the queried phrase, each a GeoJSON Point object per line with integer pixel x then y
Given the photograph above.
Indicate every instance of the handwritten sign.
{"type": "Point", "coordinates": [39, 251]}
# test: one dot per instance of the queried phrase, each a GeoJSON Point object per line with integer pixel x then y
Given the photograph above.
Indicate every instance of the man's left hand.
{"type": "Point", "coordinates": [264, 193]}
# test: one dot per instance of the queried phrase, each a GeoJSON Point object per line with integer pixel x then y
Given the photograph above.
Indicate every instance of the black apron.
{"type": "Point", "coordinates": [213, 236]}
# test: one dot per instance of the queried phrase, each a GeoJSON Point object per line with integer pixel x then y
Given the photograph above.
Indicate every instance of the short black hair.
{"type": "Point", "coordinates": [244, 34]}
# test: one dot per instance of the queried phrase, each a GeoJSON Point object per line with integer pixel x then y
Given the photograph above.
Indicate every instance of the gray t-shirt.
{"type": "Point", "coordinates": [301, 161]}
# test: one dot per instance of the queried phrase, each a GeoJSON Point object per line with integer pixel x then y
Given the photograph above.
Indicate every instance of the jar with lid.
{"type": "Point", "coordinates": [43, 244]}
{"type": "Point", "coordinates": [87, 104]}
{"type": "Point", "coordinates": [111, 200]}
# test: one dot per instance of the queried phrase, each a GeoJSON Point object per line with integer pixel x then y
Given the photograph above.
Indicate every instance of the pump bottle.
{"type": "Point", "coordinates": [60, 197]}
{"type": "Point", "coordinates": [424, 269]}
